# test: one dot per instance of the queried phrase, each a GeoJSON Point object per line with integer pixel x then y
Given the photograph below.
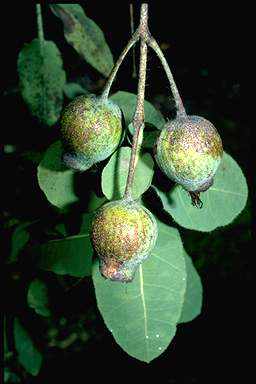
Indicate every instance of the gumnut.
{"type": "Point", "coordinates": [189, 151]}
{"type": "Point", "coordinates": [123, 234]}
{"type": "Point", "coordinates": [91, 129]}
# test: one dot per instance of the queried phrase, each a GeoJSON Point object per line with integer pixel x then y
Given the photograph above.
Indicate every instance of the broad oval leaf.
{"type": "Point", "coordinates": [55, 180]}
{"type": "Point", "coordinates": [42, 80]}
{"type": "Point", "coordinates": [71, 255]}
{"type": "Point", "coordinates": [127, 102]}
{"type": "Point", "coordinates": [221, 203]}
{"type": "Point", "coordinates": [37, 297]}
{"type": "Point", "coordinates": [28, 354]}
{"type": "Point", "coordinates": [143, 314]}
{"type": "Point", "coordinates": [85, 36]}
{"type": "Point", "coordinates": [194, 293]}
{"type": "Point", "coordinates": [114, 175]}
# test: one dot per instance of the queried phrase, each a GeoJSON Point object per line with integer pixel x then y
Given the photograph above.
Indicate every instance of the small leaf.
{"type": "Point", "coordinates": [72, 90]}
{"type": "Point", "coordinates": [19, 239]}
{"type": "Point", "coordinates": [5, 342]}
{"type": "Point", "coordinates": [150, 135]}
{"type": "Point", "coordinates": [143, 314]}
{"type": "Point", "coordinates": [56, 181]}
{"type": "Point", "coordinates": [94, 202]}
{"type": "Point", "coordinates": [42, 80]}
{"type": "Point", "coordinates": [194, 293]}
{"type": "Point", "coordinates": [149, 139]}
{"type": "Point", "coordinates": [127, 102]}
{"type": "Point", "coordinates": [37, 297]}
{"type": "Point", "coordinates": [221, 203]}
{"type": "Point", "coordinates": [85, 36]}
{"type": "Point", "coordinates": [114, 175]}
{"type": "Point", "coordinates": [28, 354]}
{"type": "Point", "coordinates": [71, 255]}
{"type": "Point", "coordinates": [61, 229]}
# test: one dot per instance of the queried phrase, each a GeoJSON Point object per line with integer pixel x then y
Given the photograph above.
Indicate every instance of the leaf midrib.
{"type": "Point", "coordinates": [226, 191]}
{"type": "Point", "coordinates": [144, 310]}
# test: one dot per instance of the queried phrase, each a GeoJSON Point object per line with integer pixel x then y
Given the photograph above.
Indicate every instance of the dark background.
{"type": "Point", "coordinates": [205, 50]}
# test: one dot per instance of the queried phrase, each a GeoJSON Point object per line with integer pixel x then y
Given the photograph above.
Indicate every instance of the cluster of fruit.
{"type": "Point", "coordinates": [123, 232]}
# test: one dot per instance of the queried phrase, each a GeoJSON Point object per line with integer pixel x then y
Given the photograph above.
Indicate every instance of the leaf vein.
{"type": "Point", "coordinates": [226, 191]}
{"type": "Point", "coordinates": [144, 307]}
{"type": "Point", "coordinates": [157, 286]}
{"type": "Point", "coordinates": [81, 236]}
{"type": "Point", "coordinates": [166, 262]}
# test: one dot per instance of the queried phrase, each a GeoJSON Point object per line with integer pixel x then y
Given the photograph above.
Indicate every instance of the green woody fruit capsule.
{"type": "Point", "coordinates": [123, 234]}
{"type": "Point", "coordinates": [189, 151]}
{"type": "Point", "coordinates": [91, 130]}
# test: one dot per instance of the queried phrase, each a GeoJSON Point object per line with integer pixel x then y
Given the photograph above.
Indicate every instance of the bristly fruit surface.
{"type": "Point", "coordinates": [189, 151]}
{"type": "Point", "coordinates": [91, 129]}
{"type": "Point", "coordinates": [123, 234]}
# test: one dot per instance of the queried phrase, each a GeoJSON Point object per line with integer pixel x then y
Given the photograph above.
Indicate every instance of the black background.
{"type": "Point", "coordinates": [207, 53]}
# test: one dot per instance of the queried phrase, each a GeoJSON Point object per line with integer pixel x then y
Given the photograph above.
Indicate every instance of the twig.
{"type": "Point", "coordinates": [113, 73]}
{"type": "Point", "coordinates": [144, 35]}
{"type": "Point", "coordinates": [40, 28]}
{"type": "Point", "coordinates": [138, 120]}
{"type": "Point", "coordinates": [134, 72]}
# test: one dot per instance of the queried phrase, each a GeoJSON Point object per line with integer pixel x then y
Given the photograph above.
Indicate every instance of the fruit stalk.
{"type": "Point", "coordinates": [113, 73]}
{"type": "Point", "coordinates": [179, 104]}
{"type": "Point", "coordinates": [138, 120]}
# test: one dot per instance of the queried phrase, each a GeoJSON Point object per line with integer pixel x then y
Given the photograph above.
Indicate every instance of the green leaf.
{"type": "Point", "coordinates": [5, 342]}
{"type": "Point", "coordinates": [94, 201]}
{"type": "Point", "coordinates": [61, 229]}
{"type": "Point", "coordinates": [143, 314]}
{"type": "Point", "coordinates": [19, 239]}
{"type": "Point", "coordinates": [127, 102]}
{"type": "Point", "coordinates": [85, 36]}
{"type": "Point", "coordinates": [221, 203]}
{"type": "Point", "coordinates": [194, 293]}
{"type": "Point", "coordinates": [114, 175]}
{"type": "Point", "coordinates": [150, 135]}
{"type": "Point", "coordinates": [42, 80]}
{"type": "Point", "coordinates": [72, 90]}
{"type": "Point", "coordinates": [149, 139]}
{"type": "Point", "coordinates": [55, 180]}
{"type": "Point", "coordinates": [71, 255]}
{"type": "Point", "coordinates": [37, 297]}
{"type": "Point", "coordinates": [28, 354]}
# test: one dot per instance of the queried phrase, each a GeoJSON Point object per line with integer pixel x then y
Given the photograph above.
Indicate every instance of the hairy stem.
{"type": "Point", "coordinates": [113, 73]}
{"type": "Point", "coordinates": [138, 120]}
{"type": "Point", "coordinates": [145, 37]}
{"type": "Point", "coordinates": [179, 104]}
{"type": "Point", "coordinates": [133, 48]}
{"type": "Point", "coordinates": [40, 28]}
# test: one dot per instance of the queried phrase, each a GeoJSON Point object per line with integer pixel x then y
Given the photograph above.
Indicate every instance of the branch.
{"type": "Point", "coordinates": [138, 120]}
